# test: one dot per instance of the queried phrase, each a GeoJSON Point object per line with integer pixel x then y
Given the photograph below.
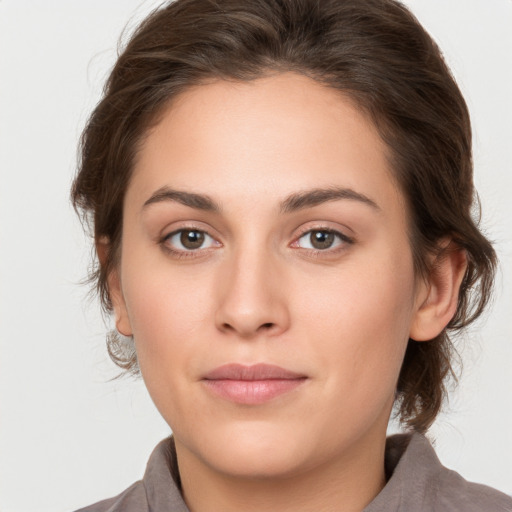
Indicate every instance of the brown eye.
{"type": "Point", "coordinates": [191, 239]}
{"type": "Point", "coordinates": [322, 239]}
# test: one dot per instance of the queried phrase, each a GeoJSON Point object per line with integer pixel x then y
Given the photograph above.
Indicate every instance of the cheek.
{"type": "Point", "coordinates": [167, 310]}
{"type": "Point", "coordinates": [362, 317]}
{"type": "Point", "coordinates": [162, 298]}
{"type": "Point", "coordinates": [167, 316]}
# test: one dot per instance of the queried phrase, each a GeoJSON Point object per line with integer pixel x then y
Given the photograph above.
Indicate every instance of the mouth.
{"type": "Point", "coordinates": [251, 385]}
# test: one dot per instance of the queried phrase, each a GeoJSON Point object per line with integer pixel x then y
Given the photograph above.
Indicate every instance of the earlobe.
{"type": "Point", "coordinates": [115, 291]}
{"type": "Point", "coordinates": [438, 295]}
{"type": "Point", "coordinates": [118, 303]}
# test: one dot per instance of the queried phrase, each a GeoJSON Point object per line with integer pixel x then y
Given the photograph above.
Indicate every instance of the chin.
{"type": "Point", "coordinates": [255, 462]}
{"type": "Point", "coordinates": [254, 451]}
{"type": "Point", "coordinates": [280, 453]}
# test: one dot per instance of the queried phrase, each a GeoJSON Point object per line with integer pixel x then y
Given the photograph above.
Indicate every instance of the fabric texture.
{"type": "Point", "coordinates": [417, 482]}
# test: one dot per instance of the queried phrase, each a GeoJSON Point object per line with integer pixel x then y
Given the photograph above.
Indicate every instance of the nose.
{"type": "Point", "coordinates": [252, 296]}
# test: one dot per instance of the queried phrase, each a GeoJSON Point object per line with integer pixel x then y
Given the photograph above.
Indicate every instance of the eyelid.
{"type": "Point", "coordinates": [163, 240]}
{"type": "Point", "coordinates": [184, 253]}
{"type": "Point", "coordinates": [344, 239]}
{"type": "Point", "coordinates": [185, 225]}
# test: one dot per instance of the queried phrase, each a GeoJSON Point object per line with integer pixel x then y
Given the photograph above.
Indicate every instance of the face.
{"type": "Point", "coordinates": [266, 276]}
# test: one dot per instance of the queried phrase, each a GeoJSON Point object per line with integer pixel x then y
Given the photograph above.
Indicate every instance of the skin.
{"type": "Point", "coordinates": [257, 291]}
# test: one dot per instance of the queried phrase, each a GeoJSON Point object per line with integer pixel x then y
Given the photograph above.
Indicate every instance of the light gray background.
{"type": "Point", "coordinates": [69, 436]}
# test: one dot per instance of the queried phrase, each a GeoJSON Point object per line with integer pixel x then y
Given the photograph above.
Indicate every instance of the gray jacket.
{"type": "Point", "coordinates": [417, 482]}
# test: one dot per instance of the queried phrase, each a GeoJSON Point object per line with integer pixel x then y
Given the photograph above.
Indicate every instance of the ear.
{"type": "Point", "coordinates": [438, 294]}
{"type": "Point", "coordinates": [115, 290]}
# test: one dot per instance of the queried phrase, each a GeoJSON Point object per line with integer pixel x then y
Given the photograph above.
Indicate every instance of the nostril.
{"type": "Point", "coordinates": [263, 327]}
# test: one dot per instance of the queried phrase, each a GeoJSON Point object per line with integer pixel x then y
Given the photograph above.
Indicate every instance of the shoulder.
{"type": "Point", "coordinates": [158, 489]}
{"type": "Point", "coordinates": [132, 499]}
{"type": "Point", "coordinates": [417, 481]}
{"type": "Point", "coordinates": [453, 492]}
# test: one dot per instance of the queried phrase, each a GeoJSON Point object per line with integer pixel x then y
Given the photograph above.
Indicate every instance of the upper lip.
{"type": "Point", "coordinates": [262, 371]}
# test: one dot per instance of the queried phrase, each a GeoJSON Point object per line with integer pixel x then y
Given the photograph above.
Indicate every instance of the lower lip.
{"type": "Point", "coordinates": [252, 392]}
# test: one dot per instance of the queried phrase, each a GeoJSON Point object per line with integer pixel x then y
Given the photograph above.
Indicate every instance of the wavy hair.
{"type": "Point", "coordinates": [373, 51]}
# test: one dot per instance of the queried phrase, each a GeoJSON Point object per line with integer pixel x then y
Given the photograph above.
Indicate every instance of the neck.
{"type": "Point", "coordinates": [348, 483]}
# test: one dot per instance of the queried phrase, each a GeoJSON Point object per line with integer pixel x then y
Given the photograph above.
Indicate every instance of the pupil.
{"type": "Point", "coordinates": [322, 239]}
{"type": "Point", "coordinates": [192, 239]}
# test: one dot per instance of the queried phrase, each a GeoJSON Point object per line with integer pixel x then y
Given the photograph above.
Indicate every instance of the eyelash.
{"type": "Point", "coordinates": [342, 240]}
{"type": "Point", "coordinates": [185, 253]}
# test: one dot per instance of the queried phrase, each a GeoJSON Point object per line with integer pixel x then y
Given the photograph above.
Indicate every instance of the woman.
{"type": "Point", "coordinates": [281, 197]}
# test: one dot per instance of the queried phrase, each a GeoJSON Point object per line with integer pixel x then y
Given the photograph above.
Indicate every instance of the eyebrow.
{"type": "Point", "coordinates": [293, 203]}
{"type": "Point", "coordinates": [317, 196]}
{"type": "Point", "coordinates": [190, 199]}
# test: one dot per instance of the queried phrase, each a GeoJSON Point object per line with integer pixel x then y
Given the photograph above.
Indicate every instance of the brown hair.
{"type": "Point", "coordinates": [374, 51]}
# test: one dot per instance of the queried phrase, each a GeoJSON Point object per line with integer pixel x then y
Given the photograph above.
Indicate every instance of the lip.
{"type": "Point", "coordinates": [251, 385]}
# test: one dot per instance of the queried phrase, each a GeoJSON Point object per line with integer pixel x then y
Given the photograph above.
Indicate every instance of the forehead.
{"type": "Point", "coordinates": [265, 138]}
